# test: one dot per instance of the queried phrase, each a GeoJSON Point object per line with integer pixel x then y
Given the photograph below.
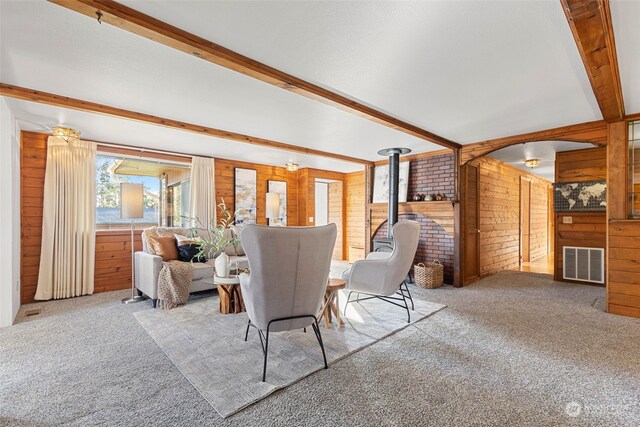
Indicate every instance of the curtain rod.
{"type": "Point", "coordinates": [142, 149]}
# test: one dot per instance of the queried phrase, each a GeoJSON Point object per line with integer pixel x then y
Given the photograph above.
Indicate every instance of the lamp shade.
{"type": "Point", "coordinates": [131, 200]}
{"type": "Point", "coordinates": [273, 205]}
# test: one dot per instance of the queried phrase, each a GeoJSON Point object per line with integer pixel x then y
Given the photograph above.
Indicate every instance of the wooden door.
{"type": "Point", "coordinates": [525, 220]}
{"type": "Point", "coordinates": [471, 232]}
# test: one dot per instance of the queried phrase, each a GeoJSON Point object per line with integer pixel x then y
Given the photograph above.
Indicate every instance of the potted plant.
{"type": "Point", "coordinates": [216, 239]}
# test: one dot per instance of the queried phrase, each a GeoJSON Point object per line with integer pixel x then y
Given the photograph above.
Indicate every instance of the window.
{"type": "Point", "coordinates": [634, 169]}
{"type": "Point", "coordinates": [166, 191]}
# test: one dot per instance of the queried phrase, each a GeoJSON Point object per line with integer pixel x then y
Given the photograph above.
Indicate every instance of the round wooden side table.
{"type": "Point", "coordinates": [331, 303]}
{"type": "Point", "coordinates": [230, 295]}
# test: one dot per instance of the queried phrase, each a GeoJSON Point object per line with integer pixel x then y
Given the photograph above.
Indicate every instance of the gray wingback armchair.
{"type": "Point", "coordinates": [289, 268]}
{"type": "Point", "coordinates": [382, 275]}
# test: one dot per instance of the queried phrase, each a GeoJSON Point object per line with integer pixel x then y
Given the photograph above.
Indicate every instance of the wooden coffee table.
{"type": "Point", "coordinates": [331, 303]}
{"type": "Point", "coordinates": [230, 295]}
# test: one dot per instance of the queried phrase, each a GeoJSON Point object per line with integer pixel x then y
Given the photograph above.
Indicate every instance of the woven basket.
{"type": "Point", "coordinates": [429, 275]}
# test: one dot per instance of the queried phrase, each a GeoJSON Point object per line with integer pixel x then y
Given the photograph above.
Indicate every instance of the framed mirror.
{"type": "Point", "coordinates": [280, 188]}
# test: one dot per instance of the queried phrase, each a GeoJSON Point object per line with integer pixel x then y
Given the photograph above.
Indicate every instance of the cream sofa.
{"type": "Point", "coordinates": [148, 265]}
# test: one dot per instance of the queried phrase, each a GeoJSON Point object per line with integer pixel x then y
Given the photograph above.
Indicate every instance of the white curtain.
{"type": "Point", "coordinates": [68, 224]}
{"type": "Point", "coordinates": [202, 197]}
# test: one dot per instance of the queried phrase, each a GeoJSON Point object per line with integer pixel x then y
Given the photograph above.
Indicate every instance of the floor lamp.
{"type": "Point", "coordinates": [132, 207]}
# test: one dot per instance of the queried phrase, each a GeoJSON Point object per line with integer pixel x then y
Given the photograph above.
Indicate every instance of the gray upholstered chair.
{"type": "Point", "coordinates": [382, 275]}
{"type": "Point", "coordinates": [289, 268]}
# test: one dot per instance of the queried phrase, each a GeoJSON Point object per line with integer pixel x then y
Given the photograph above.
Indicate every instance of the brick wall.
{"type": "Point", "coordinates": [435, 243]}
{"type": "Point", "coordinates": [431, 175]}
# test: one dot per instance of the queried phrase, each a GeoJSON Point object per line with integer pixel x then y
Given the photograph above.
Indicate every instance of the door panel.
{"type": "Point", "coordinates": [471, 266]}
{"type": "Point", "coordinates": [525, 220]}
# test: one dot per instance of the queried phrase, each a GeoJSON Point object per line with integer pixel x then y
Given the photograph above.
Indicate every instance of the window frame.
{"type": "Point", "coordinates": [123, 153]}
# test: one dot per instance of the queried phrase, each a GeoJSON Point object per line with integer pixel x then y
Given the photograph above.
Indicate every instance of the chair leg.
{"type": "Point", "coordinates": [246, 334]}
{"type": "Point", "coordinates": [406, 287]}
{"type": "Point", "coordinates": [407, 307]}
{"type": "Point", "coordinates": [154, 302]}
{"type": "Point", "coordinates": [316, 329]}
{"type": "Point", "coordinates": [266, 352]}
{"type": "Point", "coordinates": [347, 304]}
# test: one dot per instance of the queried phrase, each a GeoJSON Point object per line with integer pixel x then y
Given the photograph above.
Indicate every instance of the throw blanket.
{"type": "Point", "coordinates": [174, 282]}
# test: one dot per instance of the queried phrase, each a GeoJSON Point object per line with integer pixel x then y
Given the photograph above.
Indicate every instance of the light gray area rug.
{"type": "Point", "coordinates": [210, 351]}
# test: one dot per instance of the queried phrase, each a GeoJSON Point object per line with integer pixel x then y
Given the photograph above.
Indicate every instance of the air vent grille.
{"type": "Point", "coordinates": [583, 264]}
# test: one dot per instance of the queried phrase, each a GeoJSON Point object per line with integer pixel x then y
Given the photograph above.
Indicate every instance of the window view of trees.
{"type": "Point", "coordinates": [108, 181]}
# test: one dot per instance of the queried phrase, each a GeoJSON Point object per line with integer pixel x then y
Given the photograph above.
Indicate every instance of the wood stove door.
{"type": "Point", "coordinates": [471, 222]}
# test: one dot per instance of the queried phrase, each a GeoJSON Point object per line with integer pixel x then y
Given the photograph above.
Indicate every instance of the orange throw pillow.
{"type": "Point", "coordinates": [165, 247]}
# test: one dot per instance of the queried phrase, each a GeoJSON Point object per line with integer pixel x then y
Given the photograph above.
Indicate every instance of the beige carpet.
{"type": "Point", "coordinates": [515, 349]}
{"type": "Point", "coordinates": [210, 351]}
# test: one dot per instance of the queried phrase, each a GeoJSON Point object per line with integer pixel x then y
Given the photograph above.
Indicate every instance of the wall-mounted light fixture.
{"type": "Point", "coordinates": [66, 134]}
{"type": "Point", "coordinates": [292, 166]}
{"type": "Point", "coordinates": [532, 163]}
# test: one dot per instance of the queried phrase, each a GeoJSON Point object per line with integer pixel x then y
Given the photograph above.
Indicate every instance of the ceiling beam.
{"type": "Point", "coordinates": [590, 23]}
{"type": "Point", "coordinates": [590, 132]}
{"type": "Point", "coordinates": [131, 20]}
{"type": "Point", "coordinates": [92, 107]}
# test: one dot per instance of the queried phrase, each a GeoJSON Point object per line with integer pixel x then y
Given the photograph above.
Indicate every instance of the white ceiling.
{"type": "Point", "coordinates": [437, 64]}
{"type": "Point", "coordinates": [515, 155]}
{"type": "Point", "coordinates": [625, 17]}
{"type": "Point", "coordinates": [468, 71]}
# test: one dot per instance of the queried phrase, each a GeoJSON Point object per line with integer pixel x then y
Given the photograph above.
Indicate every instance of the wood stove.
{"type": "Point", "coordinates": [386, 244]}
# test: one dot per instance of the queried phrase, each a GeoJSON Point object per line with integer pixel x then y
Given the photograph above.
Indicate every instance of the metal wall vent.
{"type": "Point", "coordinates": [583, 264]}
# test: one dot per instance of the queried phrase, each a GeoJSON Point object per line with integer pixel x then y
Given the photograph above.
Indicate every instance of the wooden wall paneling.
{"type": "Point", "coordinates": [616, 171]}
{"type": "Point", "coordinates": [500, 214]}
{"type": "Point", "coordinates": [355, 205]}
{"type": "Point", "coordinates": [623, 235]}
{"type": "Point", "coordinates": [335, 215]}
{"type": "Point", "coordinates": [33, 155]}
{"type": "Point", "coordinates": [113, 256]}
{"type": "Point", "coordinates": [224, 182]}
{"type": "Point", "coordinates": [469, 225]}
{"type": "Point", "coordinates": [303, 198]}
{"type": "Point", "coordinates": [588, 229]}
{"type": "Point", "coordinates": [113, 259]}
{"type": "Point", "coordinates": [525, 220]}
{"type": "Point", "coordinates": [623, 273]}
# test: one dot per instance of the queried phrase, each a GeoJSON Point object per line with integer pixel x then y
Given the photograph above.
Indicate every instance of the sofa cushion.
{"type": "Point", "coordinates": [202, 270]}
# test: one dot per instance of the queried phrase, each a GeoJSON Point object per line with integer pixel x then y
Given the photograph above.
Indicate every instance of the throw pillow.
{"type": "Point", "coordinates": [230, 249]}
{"type": "Point", "coordinates": [164, 247]}
{"type": "Point", "coordinates": [188, 252]}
